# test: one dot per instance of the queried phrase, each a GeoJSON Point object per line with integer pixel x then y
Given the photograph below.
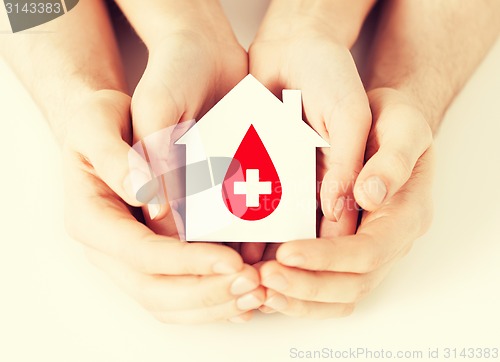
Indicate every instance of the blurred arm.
{"type": "Point", "coordinates": [63, 61]}
{"type": "Point", "coordinates": [428, 49]}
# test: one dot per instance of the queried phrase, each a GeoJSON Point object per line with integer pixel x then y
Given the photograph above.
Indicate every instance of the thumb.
{"type": "Point", "coordinates": [403, 135]}
{"type": "Point", "coordinates": [97, 135]}
{"type": "Point", "coordinates": [156, 111]}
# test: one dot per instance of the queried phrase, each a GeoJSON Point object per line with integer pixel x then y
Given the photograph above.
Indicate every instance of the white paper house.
{"type": "Point", "coordinates": [290, 143]}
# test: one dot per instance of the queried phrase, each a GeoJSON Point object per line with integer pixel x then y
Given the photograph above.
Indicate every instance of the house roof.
{"type": "Point", "coordinates": [248, 95]}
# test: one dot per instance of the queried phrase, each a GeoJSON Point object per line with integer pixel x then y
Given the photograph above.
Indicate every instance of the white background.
{"type": "Point", "coordinates": [54, 306]}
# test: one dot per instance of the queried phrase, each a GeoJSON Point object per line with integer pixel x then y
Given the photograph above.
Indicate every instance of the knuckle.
{"type": "Point", "coordinates": [371, 258]}
{"type": "Point", "coordinates": [327, 261]}
{"type": "Point", "coordinates": [373, 263]}
{"type": "Point", "coordinates": [347, 310]}
{"type": "Point", "coordinates": [302, 309]}
{"type": "Point", "coordinates": [363, 287]}
{"type": "Point", "coordinates": [354, 102]}
{"type": "Point", "coordinates": [400, 166]}
{"type": "Point", "coordinates": [421, 127]}
{"type": "Point", "coordinates": [313, 291]}
{"type": "Point", "coordinates": [187, 256]}
{"type": "Point", "coordinates": [427, 136]}
{"type": "Point", "coordinates": [209, 299]}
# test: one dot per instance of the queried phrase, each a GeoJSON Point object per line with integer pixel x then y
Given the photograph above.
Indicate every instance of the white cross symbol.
{"type": "Point", "coordinates": [252, 188]}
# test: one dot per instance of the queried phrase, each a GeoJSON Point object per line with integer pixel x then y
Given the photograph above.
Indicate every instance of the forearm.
{"type": "Point", "coordinates": [428, 49]}
{"type": "Point", "coordinates": [158, 19]}
{"type": "Point", "coordinates": [341, 20]}
{"type": "Point", "coordinates": [65, 60]}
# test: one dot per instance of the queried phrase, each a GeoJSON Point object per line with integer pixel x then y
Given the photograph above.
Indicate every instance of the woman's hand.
{"type": "Point", "coordinates": [176, 281]}
{"type": "Point", "coordinates": [307, 47]}
{"type": "Point", "coordinates": [326, 277]}
{"type": "Point", "coordinates": [194, 60]}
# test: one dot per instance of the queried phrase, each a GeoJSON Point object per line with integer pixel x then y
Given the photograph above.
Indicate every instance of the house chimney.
{"type": "Point", "coordinates": [292, 99]}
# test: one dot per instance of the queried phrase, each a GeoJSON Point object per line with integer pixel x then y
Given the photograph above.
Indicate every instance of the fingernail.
{"type": "Point", "coordinates": [375, 189]}
{"type": "Point", "coordinates": [154, 209]}
{"type": "Point", "coordinates": [294, 260]}
{"type": "Point", "coordinates": [339, 208]}
{"type": "Point", "coordinates": [277, 302]}
{"type": "Point", "coordinates": [224, 268]}
{"type": "Point", "coordinates": [248, 301]}
{"type": "Point", "coordinates": [242, 285]}
{"type": "Point", "coordinates": [275, 281]}
{"type": "Point", "coordinates": [134, 181]}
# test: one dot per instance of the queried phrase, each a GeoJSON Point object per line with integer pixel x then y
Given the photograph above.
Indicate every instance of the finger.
{"type": "Point", "coordinates": [267, 310]}
{"type": "Point", "coordinates": [175, 88]}
{"type": "Point", "coordinates": [158, 293]}
{"type": "Point", "coordinates": [404, 135]}
{"type": "Point", "coordinates": [377, 242]}
{"type": "Point", "coordinates": [172, 225]}
{"type": "Point", "coordinates": [321, 286]}
{"type": "Point", "coordinates": [380, 237]}
{"type": "Point", "coordinates": [219, 312]}
{"type": "Point", "coordinates": [267, 70]}
{"type": "Point", "coordinates": [158, 105]}
{"type": "Point", "coordinates": [348, 125]}
{"type": "Point", "coordinates": [154, 121]}
{"type": "Point", "coordinates": [99, 139]}
{"type": "Point", "coordinates": [344, 117]}
{"type": "Point", "coordinates": [252, 252]}
{"type": "Point", "coordinates": [98, 219]}
{"type": "Point", "coordinates": [336, 105]}
{"type": "Point", "coordinates": [242, 318]}
{"type": "Point", "coordinates": [306, 309]}
{"type": "Point", "coordinates": [360, 253]}
{"type": "Point", "coordinates": [270, 252]}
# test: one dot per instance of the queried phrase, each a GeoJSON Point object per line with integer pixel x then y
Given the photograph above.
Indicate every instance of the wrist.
{"type": "Point", "coordinates": [338, 20]}
{"type": "Point", "coordinates": [402, 95]}
{"type": "Point", "coordinates": [62, 116]}
{"type": "Point", "coordinates": [432, 108]}
{"type": "Point", "coordinates": [162, 19]}
{"type": "Point", "coordinates": [429, 101]}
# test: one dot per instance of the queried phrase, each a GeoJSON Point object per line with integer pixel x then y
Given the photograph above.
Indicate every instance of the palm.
{"type": "Point", "coordinates": [335, 106]}
{"type": "Point", "coordinates": [186, 75]}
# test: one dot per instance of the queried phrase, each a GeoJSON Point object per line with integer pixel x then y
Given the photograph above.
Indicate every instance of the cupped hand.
{"type": "Point", "coordinates": [327, 276]}
{"type": "Point", "coordinates": [177, 282]}
{"type": "Point", "coordinates": [297, 52]}
{"type": "Point", "coordinates": [188, 72]}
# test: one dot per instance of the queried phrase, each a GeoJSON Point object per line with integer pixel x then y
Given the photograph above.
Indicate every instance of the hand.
{"type": "Point", "coordinates": [326, 277]}
{"type": "Point", "coordinates": [176, 281]}
{"type": "Point", "coordinates": [298, 52]}
{"type": "Point", "coordinates": [187, 73]}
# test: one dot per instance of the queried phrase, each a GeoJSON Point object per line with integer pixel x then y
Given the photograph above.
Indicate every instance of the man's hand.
{"type": "Point", "coordinates": [176, 281]}
{"type": "Point", "coordinates": [325, 277]}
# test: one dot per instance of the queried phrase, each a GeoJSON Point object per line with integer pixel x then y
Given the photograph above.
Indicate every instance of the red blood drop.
{"type": "Point", "coordinates": [251, 155]}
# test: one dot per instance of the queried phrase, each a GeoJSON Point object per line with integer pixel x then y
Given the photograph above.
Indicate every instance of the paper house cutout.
{"type": "Point", "coordinates": [247, 200]}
